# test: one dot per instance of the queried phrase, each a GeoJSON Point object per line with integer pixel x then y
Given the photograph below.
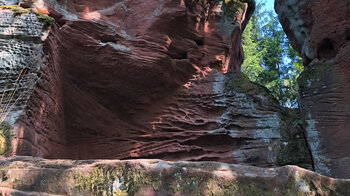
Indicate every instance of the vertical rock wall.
{"type": "Point", "coordinates": [319, 30]}
{"type": "Point", "coordinates": [23, 66]}
{"type": "Point", "coordinates": [143, 79]}
{"type": "Point", "coordinates": [39, 132]}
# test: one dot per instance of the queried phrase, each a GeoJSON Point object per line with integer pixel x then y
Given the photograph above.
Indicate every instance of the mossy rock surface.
{"type": "Point", "coordinates": [156, 177]}
{"type": "Point", "coordinates": [240, 83]}
{"type": "Point", "coordinates": [293, 149]}
{"type": "Point", "coordinates": [5, 138]}
{"type": "Point", "coordinates": [46, 20]}
{"type": "Point", "coordinates": [16, 9]}
{"type": "Point", "coordinates": [314, 72]}
{"type": "Point", "coordinates": [233, 7]}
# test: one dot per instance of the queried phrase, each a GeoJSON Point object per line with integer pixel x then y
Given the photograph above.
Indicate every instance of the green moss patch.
{"type": "Point", "coordinates": [46, 20]}
{"type": "Point", "coordinates": [233, 7]}
{"type": "Point", "coordinates": [131, 178]}
{"type": "Point", "coordinates": [115, 180]}
{"type": "Point", "coordinates": [314, 72]}
{"type": "Point", "coordinates": [16, 9]}
{"type": "Point", "coordinates": [252, 189]}
{"type": "Point", "coordinates": [5, 138]}
{"type": "Point", "coordinates": [240, 83]}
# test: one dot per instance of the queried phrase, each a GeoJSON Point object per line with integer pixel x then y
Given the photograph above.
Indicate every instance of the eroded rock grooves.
{"type": "Point", "coordinates": [146, 83]}
{"type": "Point", "coordinates": [319, 31]}
{"type": "Point", "coordinates": [139, 79]}
{"type": "Point", "coordinates": [22, 33]}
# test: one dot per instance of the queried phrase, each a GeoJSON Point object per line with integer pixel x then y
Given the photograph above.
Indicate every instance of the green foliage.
{"type": "Point", "coordinates": [252, 63]}
{"type": "Point", "coordinates": [270, 59]}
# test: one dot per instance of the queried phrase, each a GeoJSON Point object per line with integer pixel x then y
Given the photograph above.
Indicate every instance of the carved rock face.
{"type": "Point", "coordinates": [21, 61]}
{"type": "Point", "coordinates": [115, 68]}
{"type": "Point", "coordinates": [319, 30]}
{"type": "Point", "coordinates": [142, 79]}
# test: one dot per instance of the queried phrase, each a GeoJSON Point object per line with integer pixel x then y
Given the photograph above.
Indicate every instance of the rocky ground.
{"type": "Point", "coordinates": [157, 177]}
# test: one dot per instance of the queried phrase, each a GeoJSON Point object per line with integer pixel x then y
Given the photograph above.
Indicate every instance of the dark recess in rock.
{"type": "Point", "coordinates": [347, 34]}
{"type": "Point", "coordinates": [326, 49]}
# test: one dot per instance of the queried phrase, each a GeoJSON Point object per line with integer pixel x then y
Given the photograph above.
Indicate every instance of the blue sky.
{"type": "Point", "coordinates": [269, 4]}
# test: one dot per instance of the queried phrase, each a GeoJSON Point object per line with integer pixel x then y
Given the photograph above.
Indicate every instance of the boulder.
{"type": "Point", "coordinates": [157, 177]}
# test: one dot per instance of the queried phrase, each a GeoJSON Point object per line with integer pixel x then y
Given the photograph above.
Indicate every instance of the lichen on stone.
{"type": "Point", "coordinates": [313, 72]}
{"type": "Point", "coordinates": [240, 83]}
{"type": "Point", "coordinates": [16, 9]}
{"type": "Point", "coordinates": [292, 147]}
{"type": "Point", "coordinates": [115, 180]}
{"type": "Point", "coordinates": [233, 7]}
{"type": "Point", "coordinates": [46, 20]}
{"type": "Point", "coordinates": [5, 138]}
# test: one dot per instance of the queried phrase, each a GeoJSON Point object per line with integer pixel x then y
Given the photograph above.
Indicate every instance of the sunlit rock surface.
{"type": "Point", "coordinates": [320, 31]}
{"type": "Point", "coordinates": [145, 79]}
{"type": "Point", "coordinates": [119, 81]}
{"type": "Point", "coordinates": [156, 177]}
{"type": "Point", "coordinates": [22, 59]}
{"type": "Point", "coordinates": [122, 82]}
{"type": "Point", "coordinates": [9, 2]}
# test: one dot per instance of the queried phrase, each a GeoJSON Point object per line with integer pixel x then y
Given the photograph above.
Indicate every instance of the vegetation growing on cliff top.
{"type": "Point", "coordinates": [16, 9]}
{"type": "Point", "coordinates": [46, 20]}
{"type": "Point", "coordinates": [232, 7]}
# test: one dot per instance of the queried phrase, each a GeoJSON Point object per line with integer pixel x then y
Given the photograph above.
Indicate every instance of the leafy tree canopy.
{"type": "Point", "coordinates": [269, 58]}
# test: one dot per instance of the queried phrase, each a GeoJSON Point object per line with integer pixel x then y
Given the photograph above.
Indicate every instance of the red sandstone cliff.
{"type": "Point", "coordinates": [144, 79]}
{"type": "Point", "coordinates": [119, 66]}
{"type": "Point", "coordinates": [320, 31]}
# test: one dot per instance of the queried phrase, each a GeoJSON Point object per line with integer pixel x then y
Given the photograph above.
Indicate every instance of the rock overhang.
{"type": "Point", "coordinates": [85, 120]}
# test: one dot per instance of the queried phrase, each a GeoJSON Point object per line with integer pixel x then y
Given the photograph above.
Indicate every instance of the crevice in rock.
{"type": "Point", "coordinates": [308, 146]}
{"type": "Point", "coordinates": [179, 56]}
{"type": "Point", "coordinates": [347, 33]}
{"type": "Point", "coordinates": [35, 40]}
{"type": "Point", "coordinates": [199, 42]}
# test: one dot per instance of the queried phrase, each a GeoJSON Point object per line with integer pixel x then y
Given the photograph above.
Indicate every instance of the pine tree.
{"type": "Point", "coordinates": [270, 60]}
